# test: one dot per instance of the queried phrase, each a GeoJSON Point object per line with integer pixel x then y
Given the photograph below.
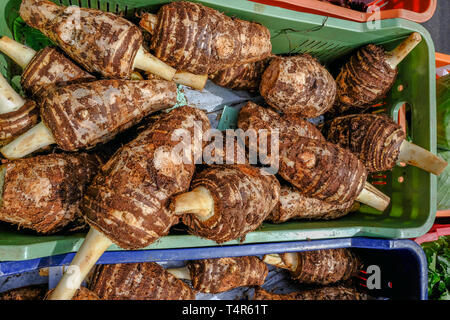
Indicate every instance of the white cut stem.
{"type": "Point", "coordinates": [148, 62]}
{"type": "Point", "coordinates": [373, 197]}
{"type": "Point", "coordinates": [21, 54]}
{"type": "Point", "coordinates": [198, 202]}
{"type": "Point", "coordinates": [9, 99]}
{"type": "Point", "coordinates": [289, 260]}
{"type": "Point", "coordinates": [419, 157]}
{"type": "Point", "coordinates": [180, 273]}
{"type": "Point", "coordinates": [34, 139]}
{"type": "Point", "coordinates": [403, 49]}
{"type": "Point", "coordinates": [194, 81]}
{"type": "Point", "coordinates": [90, 251]}
{"type": "Point", "coordinates": [148, 22]}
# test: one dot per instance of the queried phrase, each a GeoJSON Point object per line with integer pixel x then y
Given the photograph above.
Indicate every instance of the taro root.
{"type": "Point", "coordinates": [339, 292]}
{"type": "Point", "coordinates": [227, 201]}
{"type": "Point", "coordinates": [207, 40]}
{"type": "Point", "coordinates": [298, 85]}
{"type": "Point", "coordinates": [223, 274]}
{"type": "Point", "coordinates": [322, 170]}
{"type": "Point", "coordinates": [43, 69]}
{"type": "Point", "coordinates": [128, 201]}
{"type": "Point", "coordinates": [34, 292]}
{"type": "Point", "coordinates": [317, 168]}
{"type": "Point", "coordinates": [266, 124]}
{"type": "Point", "coordinates": [138, 281]}
{"type": "Point", "coordinates": [380, 143]}
{"type": "Point", "coordinates": [244, 77]}
{"type": "Point", "coordinates": [82, 293]}
{"type": "Point", "coordinates": [255, 117]}
{"type": "Point", "coordinates": [79, 116]}
{"type": "Point", "coordinates": [371, 72]}
{"type": "Point", "coordinates": [44, 193]}
{"type": "Point", "coordinates": [101, 42]}
{"type": "Point", "coordinates": [294, 205]}
{"type": "Point", "coordinates": [322, 267]}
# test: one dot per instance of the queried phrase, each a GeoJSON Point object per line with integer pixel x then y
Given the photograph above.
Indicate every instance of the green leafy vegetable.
{"type": "Point", "coordinates": [31, 37]}
{"type": "Point", "coordinates": [438, 258]}
{"type": "Point", "coordinates": [443, 184]}
{"type": "Point", "coordinates": [443, 112]}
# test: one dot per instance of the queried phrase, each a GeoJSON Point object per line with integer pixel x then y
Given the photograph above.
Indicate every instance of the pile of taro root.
{"type": "Point", "coordinates": [96, 143]}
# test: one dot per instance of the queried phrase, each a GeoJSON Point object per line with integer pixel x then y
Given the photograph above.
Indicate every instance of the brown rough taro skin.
{"type": "Point", "coordinates": [128, 200]}
{"type": "Point", "coordinates": [298, 84]}
{"type": "Point", "coordinates": [81, 294]}
{"type": "Point", "coordinates": [138, 281]}
{"type": "Point", "coordinates": [84, 114]}
{"type": "Point", "coordinates": [324, 293]}
{"type": "Point", "coordinates": [325, 266]}
{"type": "Point", "coordinates": [51, 67]}
{"type": "Point", "coordinates": [294, 205]}
{"type": "Point", "coordinates": [374, 139]}
{"type": "Point", "coordinates": [244, 77]}
{"type": "Point", "coordinates": [191, 37]}
{"type": "Point", "coordinates": [43, 193]}
{"type": "Point", "coordinates": [365, 78]}
{"type": "Point", "coordinates": [26, 293]}
{"type": "Point", "coordinates": [255, 117]}
{"type": "Point", "coordinates": [243, 197]}
{"type": "Point", "coordinates": [227, 148]}
{"type": "Point", "coordinates": [13, 124]}
{"type": "Point", "coordinates": [223, 274]}
{"type": "Point", "coordinates": [101, 42]}
{"type": "Point", "coordinates": [321, 169]}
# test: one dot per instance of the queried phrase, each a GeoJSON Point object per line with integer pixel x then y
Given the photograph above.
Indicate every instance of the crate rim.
{"type": "Point", "coordinates": [353, 15]}
{"type": "Point", "coordinates": [15, 267]}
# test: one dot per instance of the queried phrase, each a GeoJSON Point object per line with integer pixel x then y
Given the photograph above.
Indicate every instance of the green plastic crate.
{"type": "Point", "coordinates": [413, 201]}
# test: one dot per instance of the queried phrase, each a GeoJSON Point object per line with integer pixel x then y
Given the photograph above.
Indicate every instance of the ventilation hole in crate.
{"type": "Point", "coordinates": [70, 2]}
{"type": "Point", "coordinates": [329, 45]}
{"type": "Point", "coordinates": [314, 44]}
{"type": "Point", "coordinates": [107, 7]}
{"type": "Point", "coordinates": [298, 48]}
{"type": "Point", "coordinates": [378, 179]}
{"type": "Point", "coordinates": [79, 3]}
{"type": "Point", "coordinates": [331, 51]}
{"type": "Point", "coordinates": [125, 11]}
{"type": "Point", "coordinates": [321, 45]}
{"type": "Point", "coordinates": [318, 45]}
{"type": "Point", "coordinates": [117, 8]}
{"type": "Point", "coordinates": [89, 4]}
{"type": "Point", "coordinates": [405, 118]}
{"type": "Point", "coordinates": [98, 4]}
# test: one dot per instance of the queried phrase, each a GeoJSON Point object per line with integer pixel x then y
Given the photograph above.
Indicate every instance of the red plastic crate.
{"type": "Point", "coordinates": [414, 10]}
{"type": "Point", "coordinates": [435, 232]}
{"type": "Point", "coordinates": [442, 60]}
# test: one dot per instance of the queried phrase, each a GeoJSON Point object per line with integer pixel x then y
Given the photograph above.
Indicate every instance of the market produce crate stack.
{"type": "Point", "coordinates": [221, 204]}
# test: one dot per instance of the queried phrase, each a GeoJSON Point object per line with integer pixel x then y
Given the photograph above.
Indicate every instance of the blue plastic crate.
{"type": "Point", "coordinates": [402, 263]}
